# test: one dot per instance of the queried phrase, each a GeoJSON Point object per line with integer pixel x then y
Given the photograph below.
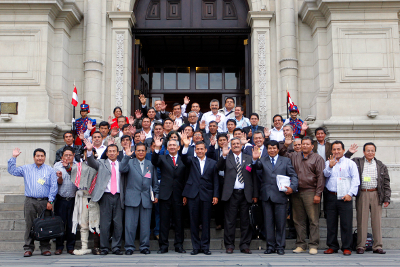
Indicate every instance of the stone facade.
{"type": "Point", "coordinates": [338, 58]}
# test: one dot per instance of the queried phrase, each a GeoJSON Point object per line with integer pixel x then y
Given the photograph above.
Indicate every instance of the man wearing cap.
{"type": "Point", "coordinates": [81, 124]}
{"type": "Point", "coordinates": [294, 121]}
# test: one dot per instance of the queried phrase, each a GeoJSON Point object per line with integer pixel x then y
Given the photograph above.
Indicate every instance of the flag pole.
{"type": "Point", "coordinates": [287, 101]}
{"type": "Point", "coordinates": [73, 118]}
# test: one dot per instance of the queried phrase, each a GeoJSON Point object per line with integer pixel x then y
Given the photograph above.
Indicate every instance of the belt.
{"type": "Point", "coordinates": [65, 198]}
{"type": "Point", "coordinates": [238, 190]}
{"type": "Point", "coordinates": [333, 193]}
{"type": "Point", "coordinates": [39, 198]}
{"type": "Point", "coordinates": [369, 190]}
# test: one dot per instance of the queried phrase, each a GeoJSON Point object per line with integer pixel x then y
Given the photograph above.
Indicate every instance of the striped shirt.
{"type": "Point", "coordinates": [369, 175]}
{"type": "Point", "coordinates": [67, 188]}
{"type": "Point", "coordinates": [33, 176]}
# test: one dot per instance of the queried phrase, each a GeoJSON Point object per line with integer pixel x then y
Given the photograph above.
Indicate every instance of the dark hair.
{"type": "Point", "coordinates": [168, 119]}
{"type": "Point", "coordinates": [98, 133]}
{"type": "Point", "coordinates": [236, 130]}
{"type": "Point", "coordinates": [126, 119]}
{"type": "Point", "coordinates": [240, 106]}
{"type": "Point", "coordinates": [254, 114]}
{"type": "Point", "coordinates": [152, 141]}
{"type": "Point", "coordinates": [116, 109]}
{"type": "Point", "coordinates": [259, 132]}
{"type": "Point", "coordinates": [273, 143]}
{"type": "Point", "coordinates": [39, 150]}
{"type": "Point", "coordinates": [277, 115]}
{"type": "Point", "coordinates": [146, 118]}
{"type": "Point", "coordinates": [216, 123]}
{"type": "Point", "coordinates": [137, 132]}
{"type": "Point", "coordinates": [125, 126]}
{"type": "Point", "coordinates": [231, 120]}
{"type": "Point", "coordinates": [369, 144]}
{"type": "Point", "coordinates": [199, 131]}
{"type": "Point", "coordinates": [201, 143]}
{"type": "Point", "coordinates": [126, 136]}
{"type": "Point", "coordinates": [337, 142]}
{"type": "Point", "coordinates": [140, 144]}
{"type": "Point", "coordinates": [229, 98]}
{"type": "Point", "coordinates": [157, 123]}
{"type": "Point", "coordinates": [187, 127]}
{"type": "Point", "coordinates": [319, 129]}
{"type": "Point", "coordinates": [112, 145]}
{"type": "Point", "coordinates": [176, 104]}
{"type": "Point", "coordinates": [307, 138]}
{"type": "Point", "coordinates": [104, 123]}
{"type": "Point", "coordinates": [68, 132]}
{"type": "Point", "coordinates": [222, 135]}
{"type": "Point", "coordinates": [68, 148]}
{"type": "Point", "coordinates": [151, 108]}
{"type": "Point", "coordinates": [169, 137]}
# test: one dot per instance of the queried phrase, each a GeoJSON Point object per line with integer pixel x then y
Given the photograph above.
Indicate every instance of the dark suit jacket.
{"type": "Point", "coordinates": [269, 188]}
{"type": "Point", "coordinates": [328, 148]}
{"type": "Point", "coordinates": [159, 115]}
{"type": "Point", "coordinates": [205, 185]}
{"type": "Point", "coordinates": [188, 124]}
{"type": "Point", "coordinates": [228, 165]}
{"type": "Point", "coordinates": [172, 177]}
{"type": "Point", "coordinates": [247, 130]}
{"type": "Point", "coordinates": [78, 153]}
{"type": "Point", "coordinates": [207, 137]}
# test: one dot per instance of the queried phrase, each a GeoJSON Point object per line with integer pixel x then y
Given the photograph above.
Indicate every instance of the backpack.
{"type": "Point", "coordinates": [47, 227]}
{"type": "Point", "coordinates": [368, 243]}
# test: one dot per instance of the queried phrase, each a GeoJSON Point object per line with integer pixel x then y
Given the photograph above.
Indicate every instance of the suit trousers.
{"type": "Point", "coordinates": [111, 212]}
{"type": "Point", "coordinates": [304, 211]}
{"type": "Point", "coordinates": [219, 208]}
{"type": "Point", "coordinates": [237, 203]}
{"type": "Point", "coordinates": [169, 208]}
{"type": "Point", "coordinates": [65, 209]}
{"type": "Point", "coordinates": [32, 209]}
{"type": "Point", "coordinates": [368, 201]}
{"type": "Point", "coordinates": [275, 224]}
{"type": "Point", "coordinates": [132, 216]}
{"type": "Point", "coordinates": [200, 213]}
{"type": "Point", "coordinates": [339, 208]}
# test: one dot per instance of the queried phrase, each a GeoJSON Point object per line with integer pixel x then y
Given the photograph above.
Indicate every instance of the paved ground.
{"type": "Point", "coordinates": [218, 258]}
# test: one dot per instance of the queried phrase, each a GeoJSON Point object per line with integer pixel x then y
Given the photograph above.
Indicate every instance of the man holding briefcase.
{"type": "Point", "coordinates": [40, 190]}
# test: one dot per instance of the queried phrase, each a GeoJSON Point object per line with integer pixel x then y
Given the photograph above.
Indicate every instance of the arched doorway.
{"type": "Point", "coordinates": [198, 48]}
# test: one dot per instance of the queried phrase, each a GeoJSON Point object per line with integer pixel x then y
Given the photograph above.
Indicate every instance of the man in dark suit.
{"type": "Point", "coordinates": [274, 201]}
{"type": "Point", "coordinates": [212, 132]}
{"type": "Point", "coordinates": [239, 191]}
{"type": "Point", "coordinates": [69, 141]}
{"type": "Point", "coordinates": [159, 105]}
{"type": "Point", "coordinates": [249, 130]}
{"type": "Point", "coordinates": [192, 121]}
{"type": "Point", "coordinates": [201, 191]}
{"type": "Point", "coordinates": [110, 195]}
{"type": "Point", "coordinates": [141, 191]}
{"type": "Point", "coordinates": [173, 176]}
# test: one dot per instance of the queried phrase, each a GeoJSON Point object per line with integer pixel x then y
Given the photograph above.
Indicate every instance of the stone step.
{"type": "Point", "coordinates": [386, 232]}
{"type": "Point", "coordinates": [386, 222]}
{"type": "Point", "coordinates": [12, 235]}
{"type": "Point", "coordinates": [10, 215]}
{"type": "Point", "coordinates": [11, 206]}
{"type": "Point", "coordinates": [14, 199]}
{"type": "Point", "coordinates": [12, 225]}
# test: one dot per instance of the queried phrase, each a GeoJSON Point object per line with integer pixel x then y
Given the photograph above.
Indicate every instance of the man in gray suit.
{"type": "Point", "coordinates": [108, 192]}
{"type": "Point", "coordinates": [141, 184]}
{"type": "Point", "coordinates": [274, 201]}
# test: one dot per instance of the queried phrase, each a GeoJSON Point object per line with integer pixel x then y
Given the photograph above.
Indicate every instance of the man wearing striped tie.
{"type": "Point", "coordinates": [239, 191]}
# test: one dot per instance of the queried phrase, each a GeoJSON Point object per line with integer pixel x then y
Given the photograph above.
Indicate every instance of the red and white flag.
{"type": "Point", "coordinates": [289, 100]}
{"type": "Point", "coordinates": [75, 100]}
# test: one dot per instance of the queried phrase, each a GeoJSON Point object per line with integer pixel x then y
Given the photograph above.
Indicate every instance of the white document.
{"type": "Point", "coordinates": [282, 181]}
{"type": "Point", "coordinates": [343, 186]}
{"type": "Point", "coordinates": [151, 193]}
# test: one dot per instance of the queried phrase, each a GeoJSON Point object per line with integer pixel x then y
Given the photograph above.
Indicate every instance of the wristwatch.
{"type": "Point", "coordinates": [51, 202]}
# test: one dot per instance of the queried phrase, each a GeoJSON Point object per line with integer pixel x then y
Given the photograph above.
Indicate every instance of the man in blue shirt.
{"type": "Point", "coordinates": [40, 190]}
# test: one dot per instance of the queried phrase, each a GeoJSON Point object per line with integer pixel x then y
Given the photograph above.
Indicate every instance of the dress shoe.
{"type": "Point", "coordinates": [129, 252]}
{"type": "Point", "coordinates": [280, 251]}
{"type": "Point", "coordinates": [219, 227]}
{"type": "Point", "coordinates": [194, 252]}
{"type": "Point", "coordinates": [347, 252]}
{"type": "Point", "coordinates": [71, 251]}
{"type": "Point", "coordinates": [380, 251]}
{"type": "Point", "coordinates": [207, 252]}
{"type": "Point", "coordinates": [162, 251]}
{"type": "Point", "coordinates": [58, 252]}
{"type": "Point", "coordinates": [46, 253]}
{"type": "Point", "coordinates": [104, 252]}
{"type": "Point", "coordinates": [118, 252]}
{"type": "Point", "coordinates": [180, 250]}
{"type": "Point", "coordinates": [313, 251]}
{"type": "Point", "coordinates": [145, 251]}
{"type": "Point", "coordinates": [269, 251]}
{"type": "Point", "coordinates": [246, 251]}
{"type": "Point", "coordinates": [157, 237]}
{"type": "Point", "coordinates": [299, 250]}
{"type": "Point", "coordinates": [330, 251]}
{"type": "Point", "coordinates": [200, 227]}
{"type": "Point", "coordinates": [360, 251]}
{"type": "Point", "coordinates": [96, 251]}
{"type": "Point", "coordinates": [27, 253]}
{"type": "Point", "coordinates": [229, 250]}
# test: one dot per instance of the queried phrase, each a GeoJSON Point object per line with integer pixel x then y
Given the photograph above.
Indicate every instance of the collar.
{"type": "Point", "coordinates": [116, 162]}
{"type": "Point", "coordinates": [309, 154]}
{"type": "Point", "coordinates": [372, 161]}
{"type": "Point", "coordinates": [275, 158]}
{"type": "Point", "coordinates": [203, 159]}
{"type": "Point", "coordinates": [274, 129]}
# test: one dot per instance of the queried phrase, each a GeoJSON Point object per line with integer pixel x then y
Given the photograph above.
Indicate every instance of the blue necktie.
{"type": "Point", "coordinates": [273, 162]}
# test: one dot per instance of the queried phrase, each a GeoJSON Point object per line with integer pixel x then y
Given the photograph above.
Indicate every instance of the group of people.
{"type": "Point", "coordinates": [108, 179]}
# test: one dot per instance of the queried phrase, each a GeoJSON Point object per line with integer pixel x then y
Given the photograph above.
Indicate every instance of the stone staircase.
{"type": "Point", "coordinates": [12, 229]}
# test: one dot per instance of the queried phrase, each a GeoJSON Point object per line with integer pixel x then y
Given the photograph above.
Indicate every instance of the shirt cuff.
{"type": "Point", "coordinates": [157, 151]}
{"type": "Point", "coordinates": [89, 153]}
{"type": "Point", "coordinates": [185, 150]}
{"type": "Point", "coordinates": [143, 106]}
{"type": "Point", "coordinates": [254, 161]}
{"type": "Point", "coordinates": [224, 157]}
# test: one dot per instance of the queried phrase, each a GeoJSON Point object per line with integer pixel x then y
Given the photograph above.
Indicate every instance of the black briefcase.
{"type": "Point", "coordinates": [47, 227]}
{"type": "Point", "coordinates": [256, 221]}
{"type": "Point", "coordinates": [368, 243]}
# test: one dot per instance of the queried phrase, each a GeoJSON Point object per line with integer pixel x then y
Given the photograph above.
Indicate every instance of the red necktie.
{"type": "Point", "coordinates": [173, 159]}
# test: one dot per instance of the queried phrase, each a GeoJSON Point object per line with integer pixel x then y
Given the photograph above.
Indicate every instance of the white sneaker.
{"type": "Point", "coordinates": [299, 250]}
{"type": "Point", "coordinates": [313, 251]}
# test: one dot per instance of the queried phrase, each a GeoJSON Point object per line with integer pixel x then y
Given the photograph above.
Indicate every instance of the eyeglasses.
{"type": "Point", "coordinates": [197, 135]}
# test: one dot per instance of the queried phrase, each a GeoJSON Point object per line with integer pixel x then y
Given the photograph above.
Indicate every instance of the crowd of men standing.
{"type": "Point", "coordinates": [218, 160]}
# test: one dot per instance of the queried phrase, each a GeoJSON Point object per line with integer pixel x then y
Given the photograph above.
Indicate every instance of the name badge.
{"type": "Point", "coordinates": [367, 179]}
{"type": "Point", "coordinates": [148, 175]}
{"type": "Point", "coordinates": [41, 181]}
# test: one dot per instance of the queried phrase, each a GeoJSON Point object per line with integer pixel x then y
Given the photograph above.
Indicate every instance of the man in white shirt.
{"type": "Point", "coordinates": [97, 140]}
{"type": "Point", "coordinates": [214, 115]}
{"type": "Point", "coordinates": [241, 121]}
{"type": "Point", "coordinates": [277, 131]}
{"type": "Point", "coordinates": [146, 127]}
{"type": "Point", "coordinates": [229, 110]}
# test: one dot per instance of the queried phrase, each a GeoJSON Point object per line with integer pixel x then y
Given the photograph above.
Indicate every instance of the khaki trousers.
{"type": "Point", "coordinates": [368, 201]}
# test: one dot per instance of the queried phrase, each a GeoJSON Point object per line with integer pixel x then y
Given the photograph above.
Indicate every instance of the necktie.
{"type": "Point", "coordinates": [173, 159]}
{"type": "Point", "coordinates": [194, 127]}
{"type": "Point", "coordinates": [113, 188]}
{"type": "Point", "coordinates": [273, 162]}
{"type": "Point", "coordinates": [141, 166]}
{"type": "Point", "coordinates": [239, 170]}
{"type": "Point", "coordinates": [260, 153]}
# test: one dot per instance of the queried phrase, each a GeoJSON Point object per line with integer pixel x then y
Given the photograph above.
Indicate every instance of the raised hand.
{"type": "Point", "coordinates": [163, 105]}
{"type": "Point", "coordinates": [225, 150]}
{"type": "Point", "coordinates": [114, 131]}
{"type": "Point", "coordinates": [353, 148]}
{"type": "Point", "coordinates": [203, 125]}
{"type": "Point", "coordinates": [304, 127]}
{"type": "Point", "coordinates": [185, 139]}
{"type": "Point", "coordinates": [332, 161]}
{"type": "Point", "coordinates": [288, 140]}
{"type": "Point", "coordinates": [218, 118]}
{"type": "Point", "coordinates": [88, 144]}
{"type": "Point", "coordinates": [111, 141]}
{"type": "Point", "coordinates": [256, 153]}
{"type": "Point", "coordinates": [176, 126]}
{"type": "Point", "coordinates": [186, 100]}
{"type": "Point", "coordinates": [132, 130]}
{"type": "Point", "coordinates": [16, 152]}
{"type": "Point", "coordinates": [110, 120]}
{"type": "Point", "coordinates": [64, 163]}
{"type": "Point", "coordinates": [81, 135]}
{"type": "Point", "coordinates": [128, 151]}
{"type": "Point", "coordinates": [131, 120]}
{"type": "Point", "coordinates": [172, 116]}
{"type": "Point", "coordinates": [266, 132]}
{"type": "Point", "coordinates": [89, 125]}
{"type": "Point", "coordinates": [158, 142]}
{"type": "Point", "coordinates": [250, 134]}
{"type": "Point", "coordinates": [142, 99]}
{"type": "Point", "coordinates": [243, 139]}
{"type": "Point", "coordinates": [138, 114]}
{"type": "Point", "coordinates": [213, 141]}
{"type": "Point", "coordinates": [142, 136]}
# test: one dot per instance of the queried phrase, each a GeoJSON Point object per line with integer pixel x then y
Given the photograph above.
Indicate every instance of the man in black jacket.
{"type": "Point", "coordinates": [69, 141]}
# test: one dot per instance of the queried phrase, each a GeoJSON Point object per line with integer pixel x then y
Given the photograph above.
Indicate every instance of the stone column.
{"type": "Point", "coordinates": [261, 79]}
{"type": "Point", "coordinates": [121, 74]}
{"type": "Point", "coordinates": [93, 59]}
{"type": "Point", "coordinates": [288, 51]}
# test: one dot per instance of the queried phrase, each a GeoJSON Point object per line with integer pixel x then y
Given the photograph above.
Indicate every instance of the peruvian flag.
{"type": "Point", "coordinates": [75, 100]}
{"type": "Point", "coordinates": [289, 100]}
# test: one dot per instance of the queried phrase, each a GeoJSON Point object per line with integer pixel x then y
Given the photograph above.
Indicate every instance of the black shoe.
{"type": "Point", "coordinates": [162, 251]}
{"type": "Point", "coordinates": [180, 250]}
{"type": "Point", "coordinates": [269, 251]}
{"type": "Point", "coordinates": [194, 252]}
{"type": "Point", "coordinates": [207, 252]}
{"type": "Point", "coordinates": [104, 252]}
{"type": "Point", "coordinates": [280, 251]}
{"type": "Point", "coordinates": [292, 236]}
{"type": "Point", "coordinates": [145, 251]}
{"type": "Point", "coordinates": [118, 252]}
{"type": "Point", "coordinates": [129, 252]}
